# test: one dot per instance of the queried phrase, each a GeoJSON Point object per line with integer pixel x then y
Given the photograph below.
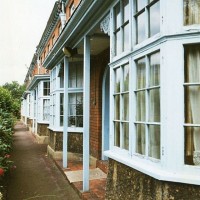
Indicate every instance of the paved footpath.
{"type": "Point", "coordinates": [36, 176]}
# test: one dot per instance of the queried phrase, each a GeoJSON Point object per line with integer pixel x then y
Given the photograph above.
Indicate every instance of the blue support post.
{"type": "Point", "coordinates": [86, 114]}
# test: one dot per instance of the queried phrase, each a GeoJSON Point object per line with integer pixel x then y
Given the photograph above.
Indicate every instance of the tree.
{"type": "Point", "coordinates": [16, 90]}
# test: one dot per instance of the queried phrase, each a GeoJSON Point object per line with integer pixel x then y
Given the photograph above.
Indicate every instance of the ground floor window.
{"type": "Point", "coordinates": [121, 106]}
{"type": "Point", "coordinates": [147, 93]}
{"type": "Point", "coordinates": [192, 104]}
{"type": "Point", "coordinates": [46, 109]}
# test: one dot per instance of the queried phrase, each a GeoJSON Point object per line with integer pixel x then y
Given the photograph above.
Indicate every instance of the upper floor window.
{"type": "Point", "coordinates": [46, 89]}
{"type": "Point", "coordinates": [191, 12]}
{"type": "Point", "coordinates": [121, 26]}
{"type": "Point", "coordinates": [147, 17]}
{"type": "Point", "coordinates": [71, 8]}
{"type": "Point", "coordinates": [192, 104]}
{"type": "Point", "coordinates": [147, 95]}
{"type": "Point", "coordinates": [53, 39]}
{"type": "Point", "coordinates": [53, 79]}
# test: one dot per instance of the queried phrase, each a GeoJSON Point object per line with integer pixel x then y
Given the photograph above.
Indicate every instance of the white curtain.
{"type": "Point", "coordinates": [154, 106]}
{"type": "Point", "coordinates": [141, 107]}
{"type": "Point", "coordinates": [193, 58]}
{"type": "Point", "coordinates": [191, 12]}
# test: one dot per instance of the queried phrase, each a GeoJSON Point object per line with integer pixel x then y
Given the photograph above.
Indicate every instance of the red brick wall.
{"type": "Point", "coordinates": [98, 66]}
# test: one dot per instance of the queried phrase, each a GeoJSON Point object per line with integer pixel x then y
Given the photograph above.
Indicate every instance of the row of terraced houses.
{"type": "Point", "coordinates": [118, 81]}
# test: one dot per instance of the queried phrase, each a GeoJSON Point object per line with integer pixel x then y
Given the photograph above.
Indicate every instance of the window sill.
{"type": "Point", "coordinates": [43, 122]}
{"type": "Point", "coordinates": [56, 129]}
{"type": "Point", "coordinates": [154, 170]}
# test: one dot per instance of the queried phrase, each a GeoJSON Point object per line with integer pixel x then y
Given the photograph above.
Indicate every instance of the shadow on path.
{"type": "Point", "coordinates": [36, 175]}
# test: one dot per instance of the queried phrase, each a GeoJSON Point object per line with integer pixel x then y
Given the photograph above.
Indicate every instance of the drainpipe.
{"type": "Point", "coordinates": [62, 15]}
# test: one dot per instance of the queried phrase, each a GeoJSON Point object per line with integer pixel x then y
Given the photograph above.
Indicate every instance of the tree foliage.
{"type": "Point", "coordinates": [16, 90]}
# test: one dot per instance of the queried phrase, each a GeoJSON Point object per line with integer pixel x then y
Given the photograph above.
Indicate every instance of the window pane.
{"type": "Point", "coordinates": [126, 107]}
{"type": "Point", "coordinates": [154, 77]}
{"type": "Point", "coordinates": [126, 78]}
{"type": "Point", "coordinates": [46, 89]}
{"type": "Point", "coordinates": [192, 146]}
{"type": "Point", "coordinates": [117, 80]}
{"type": "Point", "coordinates": [46, 109]}
{"type": "Point", "coordinates": [154, 19]}
{"type": "Point", "coordinates": [154, 141]}
{"type": "Point", "coordinates": [61, 108]}
{"type": "Point", "coordinates": [141, 74]}
{"type": "Point", "coordinates": [117, 16]}
{"type": "Point", "coordinates": [141, 28]}
{"type": "Point", "coordinates": [117, 134]}
{"type": "Point", "coordinates": [79, 71]}
{"type": "Point", "coordinates": [192, 63]}
{"type": "Point", "coordinates": [141, 106]}
{"type": "Point", "coordinates": [126, 38]}
{"type": "Point", "coordinates": [140, 139]}
{"type": "Point", "coordinates": [126, 10]}
{"type": "Point", "coordinates": [117, 107]}
{"type": "Point", "coordinates": [117, 43]}
{"type": "Point", "coordinates": [75, 110]}
{"type": "Point", "coordinates": [191, 12]}
{"type": "Point", "coordinates": [72, 77]}
{"type": "Point", "coordinates": [140, 4]}
{"type": "Point", "coordinates": [154, 105]}
{"type": "Point", "coordinates": [125, 144]}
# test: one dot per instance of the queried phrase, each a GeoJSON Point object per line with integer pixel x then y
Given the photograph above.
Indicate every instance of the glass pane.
{"type": "Point", "coordinates": [117, 134]}
{"type": "Point", "coordinates": [192, 104]}
{"type": "Point", "coordinates": [79, 104]}
{"type": "Point", "coordinates": [140, 4]}
{"type": "Point", "coordinates": [117, 16]}
{"type": "Point", "coordinates": [141, 28]}
{"type": "Point", "coordinates": [117, 43]}
{"type": "Point", "coordinates": [126, 10]}
{"type": "Point", "coordinates": [192, 145]}
{"type": "Point", "coordinates": [117, 80]}
{"type": "Point", "coordinates": [126, 77]}
{"type": "Point", "coordinates": [192, 63]}
{"type": "Point", "coordinates": [140, 139]}
{"type": "Point", "coordinates": [117, 107]}
{"type": "Point", "coordinates": [154, 19]}
{"type": "Point", "coordinates": [154, 105]}
{"type": "Point", "coordinates": [126, 107]}
{"type": "Point", "coordinates": [141, 106]}
{"type": "Point", "coordinates": [154, 141]}
{"type": "Point", "coordinates": [126, 37]}
{"type": "Point", "coordinates": [71, 121]}
{"type": "Point", "coordinates": [61, 120]}
{"type": "Point", "coordinates": [79, 71]}
{"type": "Point", "coordinates": [125, 144]}
{"type": "Point", "coordinates": [191, 12]}
{"type": "Point", "coordinates": [154, 77]}
{"type": "Point", "coordinates": [79, 121]}
{"type": "Point", "coordinates": [141, 74]}
{"type": "Point", "coordinates": [72, 77]}
{"type": "Point", "coordinates": [61, 103]}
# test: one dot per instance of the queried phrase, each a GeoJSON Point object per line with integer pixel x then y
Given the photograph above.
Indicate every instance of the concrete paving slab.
{"type": "Point", "coordinates": [76, 176]}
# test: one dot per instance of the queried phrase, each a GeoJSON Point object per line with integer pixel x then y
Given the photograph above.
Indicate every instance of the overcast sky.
{"type": "Point", "coordinates": [22, 23]}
